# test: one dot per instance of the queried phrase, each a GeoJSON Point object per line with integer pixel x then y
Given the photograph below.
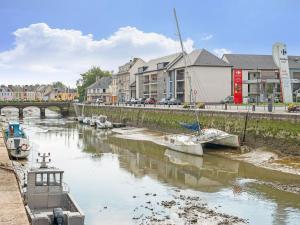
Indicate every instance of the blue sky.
{"type": "Point", "coordinates": [238, 26]}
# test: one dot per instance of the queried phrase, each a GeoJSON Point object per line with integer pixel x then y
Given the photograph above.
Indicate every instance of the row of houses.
{"type": "Point", "coordinates": [199, 77]}
{"type": "Point", "coordinates": [36, 93]}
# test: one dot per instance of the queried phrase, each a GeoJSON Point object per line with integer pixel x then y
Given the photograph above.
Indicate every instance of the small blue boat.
{"type": "Point", "coordinates": [16, 141]}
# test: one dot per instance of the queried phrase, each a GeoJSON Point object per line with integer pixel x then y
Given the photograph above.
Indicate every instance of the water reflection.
{"type": "Point", "coordinates": [103, 170]}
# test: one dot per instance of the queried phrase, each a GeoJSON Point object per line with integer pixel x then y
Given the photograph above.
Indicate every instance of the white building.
{"type": "Point", "coordinates": [6, 93]}
{"type": "Point", "coordinates": [206, 79]}
{"type": "Point", "coordinates": [123, 84]}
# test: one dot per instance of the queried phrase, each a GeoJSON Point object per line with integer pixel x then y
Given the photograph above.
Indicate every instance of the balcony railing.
{"type": "Point", "coordinates": [180, 90]}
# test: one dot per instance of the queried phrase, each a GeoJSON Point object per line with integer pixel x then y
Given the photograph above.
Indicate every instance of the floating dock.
{"type": "Point", "coordinates": [12, 210]}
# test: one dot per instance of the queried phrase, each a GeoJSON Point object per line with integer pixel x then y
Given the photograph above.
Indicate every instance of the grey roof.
{"type": "Point", "coordinates": [4, 88]}
{"type": "Point", "coordinates": [200, 57]}
{"type": "Point", "coordinates": [250, 61]}
{"type": "Point", "coordinates": [152, 64]}
{"type": "Point", "coordinates": [102, 83]}
{"type": "Point", "coordinates": [245, 61]}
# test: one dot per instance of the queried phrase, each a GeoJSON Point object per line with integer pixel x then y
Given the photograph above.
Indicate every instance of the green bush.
{"type": "Point", "coordinates": [185, 105]}
{"type": "Point", "coordinates": [200, 105]}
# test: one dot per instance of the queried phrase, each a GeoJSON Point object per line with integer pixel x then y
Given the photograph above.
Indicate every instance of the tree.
{"type": "Point", "coordinates": [58, 84]}
{"type": "Point", "coordinates": [89, 78]}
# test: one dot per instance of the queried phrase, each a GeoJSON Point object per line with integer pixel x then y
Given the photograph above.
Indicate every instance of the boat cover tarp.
{"type": "Point", "coordinates": [191, 126]}
{"type": "Point", "coordinates": [14, 130]}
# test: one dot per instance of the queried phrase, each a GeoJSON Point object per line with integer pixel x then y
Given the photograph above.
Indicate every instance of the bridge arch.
{"type": "Point", "coordinates": [5, 108]}
{"type": "Point", "coordinates": [63, 107]}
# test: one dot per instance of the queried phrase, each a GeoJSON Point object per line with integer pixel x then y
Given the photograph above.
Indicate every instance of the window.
{"type": "Point", "coordinates": [104, 90]}
{"type": "Point", "coordinates": [160, 66]}
{"type": "Point", "coordinates": [41, 179]}
{"type": "Point", "coordinates": [142, 69]}
{"type": "Point", "coordinates": [54, 179]}
{"type": "Point", "coordinates": [180, 75]}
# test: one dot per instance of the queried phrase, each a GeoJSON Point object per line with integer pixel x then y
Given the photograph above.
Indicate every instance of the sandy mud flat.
{"type": "Point", "coordinates": [181, 210]}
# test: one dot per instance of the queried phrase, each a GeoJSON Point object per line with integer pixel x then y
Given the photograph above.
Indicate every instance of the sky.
{"type": "Point", "coordinates": [42, 41]}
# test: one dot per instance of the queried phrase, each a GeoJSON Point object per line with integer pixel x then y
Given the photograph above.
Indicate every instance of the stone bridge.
{"type": "Point", "coordinates": [63, 106]}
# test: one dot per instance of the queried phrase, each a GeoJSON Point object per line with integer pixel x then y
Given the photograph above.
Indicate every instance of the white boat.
{"type": "Point", "coordinates": [218, 137]}
{"type": "Point", "coordinates": [86, 120]}
{"type": "Point", "coordinates": [80, 119]}
{"type": "Point", "coordinates": [93, 120]}
{"type": "Point", "coordinates": [103, 123]}
{"type": "Point", "coordinates": [193, 144]}
{"type": "Point", "coordinates": [16, 141]}
{"type": "Point", "coordinates": [47, 198]}
{"type": "Point", "coordinates": [2, 117]}
{"type": "Point", "coordinates": [183, 143]}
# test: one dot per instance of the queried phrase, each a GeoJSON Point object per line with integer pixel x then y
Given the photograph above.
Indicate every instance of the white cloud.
{"type": "Point", "coordinates": [206, 37]}
{"type": "Point", "coordinates": [42, 54]}
{"type": "Point", "coordinates": [221, 51]}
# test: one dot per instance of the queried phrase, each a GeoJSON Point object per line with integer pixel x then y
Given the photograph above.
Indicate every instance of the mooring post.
{"type": "Point", "coordinates": [42, 113]}
{"type": "Point", "coordinates": [21, 113]}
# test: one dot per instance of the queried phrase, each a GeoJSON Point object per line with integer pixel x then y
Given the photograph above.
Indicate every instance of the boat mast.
{"type": "Point", "coordinates": [184, 56]}
{"type": "Point", "coordinates": [185, 67]}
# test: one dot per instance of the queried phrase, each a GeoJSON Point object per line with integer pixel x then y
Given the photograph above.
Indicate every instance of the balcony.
{"type": "Point", "coordinates": [255, 81]}
{"type": "Point", "coordinates": [180, 90]}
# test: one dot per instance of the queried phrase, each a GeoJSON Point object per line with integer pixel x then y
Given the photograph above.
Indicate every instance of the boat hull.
{"type": "Point", "coordinates": [18, 148]}
{"type": "Point", "coordinates": [231, 141]}
{"type": "Point", "coordinates": [19, 154]}
{"type": "Point", "coordinates": [106, 125]}
{"type": "Point", "coordinates": [182, 143]}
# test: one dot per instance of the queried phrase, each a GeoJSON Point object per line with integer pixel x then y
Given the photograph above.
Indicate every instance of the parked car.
{"type": "Point", "coordinates": [141, 100]}
{"type": "Point", "coordinates": [150, 101]}
{"type": "Point", "coordinates": [99, 100]}
{"type": "Point", "coordinates": [133, 101]}
{"type": "Point", "coordinates": [164, 101]}
{"type": "Point", "coordinates": [174, 101]}
{"type": "Point", "coordinates": [228, 99]}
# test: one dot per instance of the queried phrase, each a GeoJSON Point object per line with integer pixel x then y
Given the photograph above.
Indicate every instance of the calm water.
{"type": "Point", "coordinates": [104, 171]}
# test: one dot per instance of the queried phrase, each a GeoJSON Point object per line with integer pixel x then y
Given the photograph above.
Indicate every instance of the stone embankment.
{"type": "Point", "coordinates": [12, 210]}
{"type": "Point", "coordinates": [280, 132]}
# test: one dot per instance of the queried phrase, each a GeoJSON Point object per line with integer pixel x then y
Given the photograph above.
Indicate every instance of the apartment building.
{"type": "Point", "coordinates": [101, 89]}
{"type": "Point", "coordinates": [203, 78]}
{"type": "Point", "coordinates": [261, 76]}
{"type": "Point", "coordinates": [123, 83]}
{"type": "Point", "coordinates": [6, 93]}
{"type": "Point", "coordinates": [151, 78]}
{"type": "Point", "coordinates": [24, 93]}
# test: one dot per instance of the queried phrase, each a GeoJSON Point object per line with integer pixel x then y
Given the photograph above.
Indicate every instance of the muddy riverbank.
{"type": "Point", "coordinates": [260, 157]}
{"type": "Point", "coordinates": [121, 181]}
{"type": "Point", "coordinates": [280, 134]}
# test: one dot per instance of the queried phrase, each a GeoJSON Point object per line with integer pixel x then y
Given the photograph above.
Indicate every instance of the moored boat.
{"type": "Point", "coordinates": [47, 197]}
{"type": "Point", "coordinates": [16, 141]}
{"type": "Point", "coordinates": [86, 120]}
{"type": "Point", "coordinates": [183, 143]}
{"type": "Point", "coordinates": [103, 123]}
{"type": "Point", "coordinates": [93, 120]}
{"type": "Point", "coordinates": [193, 143]}
{"type": "Point", "coordinates": [80, 119]}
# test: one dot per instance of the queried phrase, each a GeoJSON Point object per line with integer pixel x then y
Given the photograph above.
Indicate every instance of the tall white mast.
{"type": "Point", "coordinates": [184, 56]}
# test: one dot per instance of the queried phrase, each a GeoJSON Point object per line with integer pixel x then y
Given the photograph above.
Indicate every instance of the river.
{"type": "Point", "coordinates": [117, 181]}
